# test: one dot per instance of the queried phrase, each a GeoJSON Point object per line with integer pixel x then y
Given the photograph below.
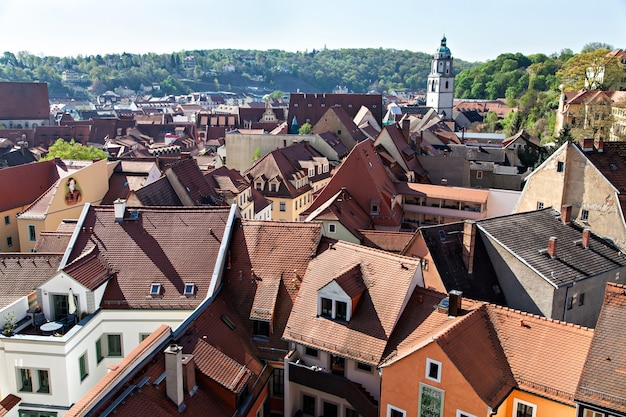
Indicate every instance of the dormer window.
{"type": "Point", "coordinates": [338, 299]}
{"type": "Point", "coordinates": [155, 289]}
{"type": "Point", "coordinates": [327, 308]}
{"type": "Point", "coordinates": [374, 208]}
{"type": "Point", "coordinates": [258, 185]}
{"type": "Point", "coordinates": [325, 168]}
{"type": "Point", "coordinates": [190, 289]}
{"type": "Point", "coordinates": [311, 172]}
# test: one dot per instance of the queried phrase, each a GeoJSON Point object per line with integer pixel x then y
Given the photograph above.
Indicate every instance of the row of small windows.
{"type": "Point", "coordinates": [584, 214]}
{"type": "Point", "coordinates": [156, 289]}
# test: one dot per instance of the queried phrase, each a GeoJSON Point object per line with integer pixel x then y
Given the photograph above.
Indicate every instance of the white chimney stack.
{"type": "Point", "coordinates": [120, 209]}
{"type": "Point", "coordinates": [174, 373]}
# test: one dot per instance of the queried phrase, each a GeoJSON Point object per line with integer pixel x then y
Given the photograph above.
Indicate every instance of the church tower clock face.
{"type": "Point", "coordinates": [440, 91]}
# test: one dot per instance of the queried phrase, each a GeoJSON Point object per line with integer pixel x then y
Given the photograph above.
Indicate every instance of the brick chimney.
{"type": "Point", "coordinates": [566, 214]}
{"type": "Point", "coordinates": [588, 144]}
{"type": "Point", "coordinates": [174, 373]}
{"type": "Point", "coordinates": [552, 247]}
{"type": "Point", "coordinates": [585, 239]}
{"type": "Point", "coordinates": [406, 127]}
{"type": "Point", "coordinates": [469, 239]}
{"type": "Point", "coordinates": [189, 374]}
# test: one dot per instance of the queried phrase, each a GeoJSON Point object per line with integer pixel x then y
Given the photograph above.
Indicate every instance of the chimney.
{"type": "Point", "coordinates": [566, 214]}
{"type": "Point", "coordinates": [552, 247]}
{"type": "Point", "coordinates": [174, 373]}
{"type": "Point", "coordinates": [418, 143]}
{"type": "Point", "coordinates": [406, 125]}
{"type": "Point", "coordinates": [444, 182]}
{"type": "Point", "coordinates": [454, 306]}
{"type": "Point", "coordinates": [469, 239]}
{"type": "Point", "coordinates": [185, 155]}
{"type": "Point", "coordinates": [585, 239]}
{"type": "Point", "coordinates": [588, 144]}
{"type": "Point", "coordinates": [189, 374]}
{"type": "Point", "coordinates": [600, 145]}
{"type": "Point", "coordinates": [120, 208]}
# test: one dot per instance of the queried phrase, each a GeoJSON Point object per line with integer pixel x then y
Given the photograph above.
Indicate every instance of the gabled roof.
{"type": "Point", "coordinates": [529, 342]}
{"type": "Point", "coordinates": [221, 368]}
{"type": "Point", "coordinates": [364, 176]}
{"type": "Point", "coordinates": [386, 240]}
{"type": "Point", "coordinates": [168, 246]}
{"type": "Point", "coordinates": [611, 162]}
{"type": "Point", "coordinates": [364, 337]}
{"type": "Point", "coordinates": [346, 121]}
{"type": "Point", "coordinates": [344, 209]}
{"type": "Point", "coordinates": [34, 179]}
{"type": "Point", "coordinates": [266, 248]}
{"type": "Point", "coordinates": [528, 244]}
{"type": "Point", "coordinates": [191, 177]}
{"type": "Point", "coordinates": [603, 378]}
{"type": "Point", "coordinates": [303, 106]}
{"type": "Point", "coordinates": [22, 273]}
{"type": "Point", "coordinates": [158, 193]}
{"type": "Point", "coordinates": [24, 101]}
{"type": "Point", "coordinates": [90, 269]}
{"type": "Point", "coordinates": [337, 145]}
{"type": "Point", "coordinates": [351, 281]}
{"type": "Point", "coordinates": [55, 242]}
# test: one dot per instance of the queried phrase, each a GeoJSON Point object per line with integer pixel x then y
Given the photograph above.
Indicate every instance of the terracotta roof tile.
{"type": "Point", "coordinates": [168, 246]}
{"type": "Point", "coordinates": [351, 281]}
{"type": "Point", "coordinates": [385, 240]}
{"type": "Point", "coordinates": [345, 209]}
{"type": "Point", "coordinates": [364, 338]}
{"type": "Point", "coordinates": [603, 376]}
{"type": "Point", "coordinates": [268, 248]}
{"type": "Point", "coordinates": [190, 176]}
{"type": "Point", "coordinates": [53, 241]}
{"type": "Point", "coordinates": [90, 269]}
{"type": "Point", "coordinates": [7, 404]}
{"type": "Point", "coordinates": [158, 193]}
{"type": "Point", "coordinates": [23, 100]}
{"type": "Point", "coordinates": [265, 299]}
{"type": "Point", "coordinates": [22, 273]}
{"type": "Point", "coordinates": [312, 107]}
{"type": "Point", "coordinates": [529, 343]}
{"type": "Point", "coordinates": [220, 367]}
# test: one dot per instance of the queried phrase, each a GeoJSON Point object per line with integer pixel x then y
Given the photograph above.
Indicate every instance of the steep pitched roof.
{"type": "Point", "coordinates": [611, 162]}
{"type": "Point", "coordinates": [169, 246]}
{"type": "Point", "coordinates": [346, 121]}
{"type": "Point", "coordinates": [55, 242]}
{"type": "Point", "coordinates": [90, 269]}
{"type": "Point", "coordinates": [528, 244]}
{"type": "Point", "coordinates": [303, 106]}
{"type": "Point", "coordinates": [266, 249]}
{"type": "Point", "coordinates": [529, 344]}
{"type": "Point", "coordinates": [34, 179]}
{"type": "Point", "coordinates": [603, 378]}
{"type": "Point", "coordinates": [344, 209]}
{"type": "Point", "coordinates": [190, 176]}
{"type": "Point", "coordinates": [158, 193]}
{"type": "Point", "coordinates": [363, 175]}
{"type": "Point", "coordinates": [365, 336]}
{"type": "Point", "coordinates": [22, 273]}
{"type": "Point", "coordinates": [24, 101]}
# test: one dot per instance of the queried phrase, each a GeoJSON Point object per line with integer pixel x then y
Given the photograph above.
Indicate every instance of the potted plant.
{"type": "Point", "coordinates": [9, 323]}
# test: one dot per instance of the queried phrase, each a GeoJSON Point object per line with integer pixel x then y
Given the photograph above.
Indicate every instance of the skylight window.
{"type": "Point", "coordinates": [190, 289]}
{"type": "Point", "coordinates": [155, 289]}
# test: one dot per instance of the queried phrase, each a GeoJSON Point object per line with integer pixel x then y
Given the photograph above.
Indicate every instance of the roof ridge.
{"type": "Point", "coordinates": [538, 317]}
{"type": "Point", "coordinates": [379, 251]}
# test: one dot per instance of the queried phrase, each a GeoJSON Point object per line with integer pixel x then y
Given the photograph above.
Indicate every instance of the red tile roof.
{"type": "Point", "coordinates": [167, 246]}
{"type": "Point", "coordinates": [33, 179]}
{"type": "Point", "coordinates": [7, 404]}
{"type": "Point", "coordinates": [220, 367]}
{"type": "Point", "coordinates": [90, 269]}
{"type": "Point", "coordinates": [27, 271]}
{"type": "Point", "coordinates": [534, 349]}
{"type": "Point", "coordinates": [24, 101]}
{"type": "Point", "coordinates": [53, 241]}
{"type": "Point", "coordinates": [190, 176]}
{"type": "Point", "coordinates": [362, 166]}
{"type": "Point", "coordinates": [603, 376]}
{"type": "Point", "coordinates": [388, 241]}
{"type": "Point", "coordinates": [365, 337]}
{"type": "Point", "coordinates": [268, 248]}
{"type": "Point", "coordinates": [312, 107]}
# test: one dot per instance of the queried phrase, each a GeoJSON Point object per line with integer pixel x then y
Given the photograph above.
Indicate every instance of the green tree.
{"type": "Point", "coordinates": [591, 70]}
{"type": "Point", "coordinates": [73, 151]}
{"type": "Point", "coordinates": [305, 129]}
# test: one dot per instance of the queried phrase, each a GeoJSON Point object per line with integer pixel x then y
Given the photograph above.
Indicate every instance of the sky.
{"type": "Point", "coordinates": [476, 31]}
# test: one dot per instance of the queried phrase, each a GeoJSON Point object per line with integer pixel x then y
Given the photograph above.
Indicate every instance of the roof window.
{"type": "Point", "coordinates": [190, 289]}
{"type": "Point", "coordinates": [155, 289]}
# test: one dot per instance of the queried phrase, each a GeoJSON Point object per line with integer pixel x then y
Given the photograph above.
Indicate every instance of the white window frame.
{"type": "Point", "coordinates": [479, 175]}
{"type": "Point", "coordinates": [516, 402]}
{"type": "Point", "coordinates": [157, 286]}
{"type": "Point", "coordinates": [584, 215]}
{"type": "Point", "coordinates": [430, 362]}
{"type": "Point", "coordinates": [332, 228]}
{"type": "Point", "coordinates": [312, 172]}
{"type": "Point", "coordinates": [190, 289]}
{"type": "Point", "coordinates": [592, 413]}
{"type": "Point", "coordinates": [461, 413]}
{"type": "Point", "coordinates": [391, 407]}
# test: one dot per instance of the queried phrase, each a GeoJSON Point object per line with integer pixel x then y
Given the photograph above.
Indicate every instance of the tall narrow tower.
{"type": "Point", "coordinates": [440, 93]}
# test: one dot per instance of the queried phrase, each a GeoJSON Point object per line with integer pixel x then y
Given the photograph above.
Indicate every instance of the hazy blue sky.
{"type": "Point", "coordinates": [477, 30]}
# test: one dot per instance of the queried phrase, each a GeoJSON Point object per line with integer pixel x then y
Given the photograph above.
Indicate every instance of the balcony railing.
{"type": "Point", "coordinates": [336, 385]}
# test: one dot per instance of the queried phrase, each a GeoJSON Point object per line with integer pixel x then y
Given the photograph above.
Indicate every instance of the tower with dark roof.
{"type": "Point", "coordinates": [440, 94]}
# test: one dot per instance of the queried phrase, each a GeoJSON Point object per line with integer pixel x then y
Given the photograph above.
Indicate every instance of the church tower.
{"type": "Point", "coordinates": [440, 92]}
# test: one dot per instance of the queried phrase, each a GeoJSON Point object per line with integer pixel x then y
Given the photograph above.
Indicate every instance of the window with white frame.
{"type": "Point", "coordinates": [283, 206]}
{"type": "Point", "coordinates": [479, 175]}
{"type": "Point", "coordinates": [155, 289]}
{"type": "Point", "coordinates": [312, 172]}
{"type": "Point", "coordinates": [524, 409]}
{"type": "Point", "coordinates": [393, 411]}
{"type": "Point", "coordinates": [325, 168]}
{"type": "Point", "coordinates": [433, 370]}
{"type": "Point", "coordinates": [584, 215]}
{"type": "Point", "coordinates": [591, 413]}
{"type": "Point", "coordinates": [333, 309]}
{"type": "Point", "coordinates": [332, 228]}
{"type": "Point", "coordinates": [460, 413]}
{"type": "Point", "coordinates": [539, 205]}
{"type": "Point", "coordinates": [190, 289]}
